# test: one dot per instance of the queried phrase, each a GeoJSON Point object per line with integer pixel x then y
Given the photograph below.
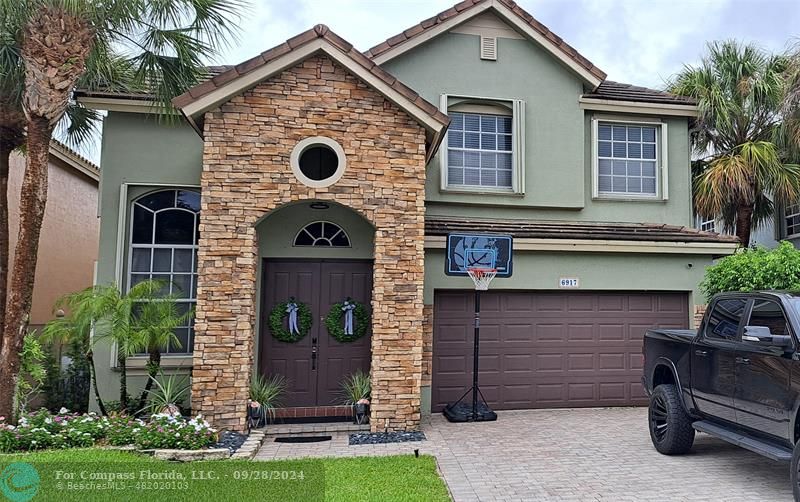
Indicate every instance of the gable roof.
{"type": "Point", "coordinates": [320, 39]}
{"type": "Point", "coordinates": [507, 10]}
{"type": "Point", "coordinates": [75, 160]}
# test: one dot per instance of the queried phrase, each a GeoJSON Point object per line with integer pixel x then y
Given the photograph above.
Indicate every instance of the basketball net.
{"type": "Point", "coordinates": [482, 277]}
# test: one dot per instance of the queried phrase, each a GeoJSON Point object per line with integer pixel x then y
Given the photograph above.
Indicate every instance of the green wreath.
{"type": "Point", "coordinates": [276, 324]}
{"type": "Point", "coordinates": [333, 321]}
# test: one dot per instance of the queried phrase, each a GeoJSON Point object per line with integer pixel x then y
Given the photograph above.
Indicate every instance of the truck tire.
{"type": "Point", "coordinates": [670, 426]}
{"type": "Point", "coordinates": [795, 472]}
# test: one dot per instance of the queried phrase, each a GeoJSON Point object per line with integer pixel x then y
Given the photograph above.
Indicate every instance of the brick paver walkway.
{"type": "Point", "coordinates": [586, 454]}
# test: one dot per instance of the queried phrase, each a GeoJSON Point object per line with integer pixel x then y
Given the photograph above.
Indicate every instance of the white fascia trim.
{"type": "Point", "coordinates": [607, 105]}
{"type": "Point", "coordinates": [508, 16]}
{"type": "Point", "coordinates": [126, 105]}
{"type": "Point", "coordinates": [607, 246]}
{"type": "Point", "coordinates": [237, 85]}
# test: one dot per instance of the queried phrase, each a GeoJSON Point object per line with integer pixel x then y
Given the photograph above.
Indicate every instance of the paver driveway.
{"type": "Point", "coordinates": [580, 454]}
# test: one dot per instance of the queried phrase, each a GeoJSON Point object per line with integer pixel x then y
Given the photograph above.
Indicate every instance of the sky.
{"type": "Point", "coordinates": [641, 42]}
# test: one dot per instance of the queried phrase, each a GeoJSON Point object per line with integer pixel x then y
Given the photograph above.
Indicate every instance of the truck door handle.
{"type": "Point", "coordinates": [701, 353]}
{"type": "Point", "coordinates": [742, 360]}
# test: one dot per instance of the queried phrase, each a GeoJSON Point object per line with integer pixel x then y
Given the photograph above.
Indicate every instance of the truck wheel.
{"type": "Point", "coordinates": [670, 426]}
{"type": "Point", "coordinates": [795, 472]}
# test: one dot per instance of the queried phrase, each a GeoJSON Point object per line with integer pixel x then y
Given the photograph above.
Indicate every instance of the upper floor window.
{"type": "Point", "coordinates": [792, 217]}
{"type": "Point", "coordinates": [479, 150]}
{"type": "Point", "coordinates": [322, 234]}
{"type": "Point", "coordinates": [164, 235]}
{"type": "Point", "coordinates": [709, 225]}
{"type": "Point", "coordinates": [627, 159]}
{"type": "Point", "coordinates": [484, 146]}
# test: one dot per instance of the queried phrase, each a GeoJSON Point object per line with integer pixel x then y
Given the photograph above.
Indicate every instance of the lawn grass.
{"type": "Point", "coordinates": [395, 478]}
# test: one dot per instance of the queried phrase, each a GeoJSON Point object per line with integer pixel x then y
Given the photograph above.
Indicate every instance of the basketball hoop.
{"type": "Point", "coordinates": [481, 277]}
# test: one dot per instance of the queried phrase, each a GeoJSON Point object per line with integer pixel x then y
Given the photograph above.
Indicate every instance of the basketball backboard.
{"type": "Point", "coordinates": [478, 250]}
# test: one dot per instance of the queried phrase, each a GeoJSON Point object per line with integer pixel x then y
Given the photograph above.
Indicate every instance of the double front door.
{"type": "Point", "coordinates": [315, 365]}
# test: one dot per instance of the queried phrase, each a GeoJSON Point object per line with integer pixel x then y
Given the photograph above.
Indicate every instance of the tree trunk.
{"type": "Point", "coordinates": [123, 383]}
{"type": "Point", "coordinates": [744, 224]}
{"type": "Point", "coordinates": [93, 375]}
{"type": "Point", "coordinates": [5, 162]}
{"type": "Point", "coordinates": [153, 367]}
{"type": "Point", "coordinates": [33, 198]}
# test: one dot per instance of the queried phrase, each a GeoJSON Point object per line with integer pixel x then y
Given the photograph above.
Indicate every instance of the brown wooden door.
{"type": "Point", "coordinates": [314, 381]}
{"type": "Point", "coordinates": [548, 349]}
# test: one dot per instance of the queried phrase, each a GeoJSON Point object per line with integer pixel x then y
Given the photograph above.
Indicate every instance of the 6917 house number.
{"type": "Point", "coordinates": [568, 283]}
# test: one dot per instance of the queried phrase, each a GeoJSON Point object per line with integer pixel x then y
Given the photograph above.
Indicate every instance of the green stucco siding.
{"type": "Point", "coordinates": [140, 151]}
{"type": "Point", "coordinates": [558, 163]}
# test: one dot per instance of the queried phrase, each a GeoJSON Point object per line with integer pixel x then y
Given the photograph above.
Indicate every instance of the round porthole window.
{"type": "Point", "coordinates": [318, 162]}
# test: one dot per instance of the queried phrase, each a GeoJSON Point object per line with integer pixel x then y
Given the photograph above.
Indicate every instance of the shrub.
{"type": "Point", "coordinates": [167, 431]}
{"type": "Point", "coordinates": [754, 270]}
{"type": "Point", "coordinates": [42, 430]}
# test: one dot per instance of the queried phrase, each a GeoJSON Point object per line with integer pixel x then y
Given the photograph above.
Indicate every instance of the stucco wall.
{"type": "Point", "coordinates": [68, 242]}
{"type": "Point", "coordinates": [557, 134]}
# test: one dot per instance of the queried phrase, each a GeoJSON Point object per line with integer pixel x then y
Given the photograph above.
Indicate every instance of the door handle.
{"type": "Point", "coordinates": [701, 353]}
{"type": "Point", "coordinates": [742, 360]}
{"type": "Point", "coordinates": [313, 358]}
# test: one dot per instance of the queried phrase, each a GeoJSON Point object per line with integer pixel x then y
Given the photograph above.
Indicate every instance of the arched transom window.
{"type": "Point", "coordinates": [322, 234]}
{"type": "Point", "coordinates": [164, 234]}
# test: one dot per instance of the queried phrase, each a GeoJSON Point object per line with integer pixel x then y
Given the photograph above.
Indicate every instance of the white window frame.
{"type": "Point", "coordinates": [662, 171]}
{"type": "Point", "coordinates": [193, 275]}
{"type": "Point", "coordinates": [517, 147]}
{"type": "Point", "coordinates": [170, 361]}
{"type": "Point", "coordinates": [786, 216]}
{"type": "Point", "coordinates": [314, 245]}
{"type": "Point", "coordinates": [703, 222]}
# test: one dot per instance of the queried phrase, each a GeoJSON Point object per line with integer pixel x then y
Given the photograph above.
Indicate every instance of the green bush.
{"type": "Point", "coordinates": [755, 270]}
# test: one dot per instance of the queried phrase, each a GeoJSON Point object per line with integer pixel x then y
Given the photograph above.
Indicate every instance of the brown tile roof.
{"type": "Point", "coordinates": [76, 160]}
{"type": "Point", "coordinates": [437, 225]}
{"type": "Point", "coordinates": [416, 30]}
{"type": "Point", "coordinates": [226, 74]}
{"type": "Point", "coordinates": [616, 91]}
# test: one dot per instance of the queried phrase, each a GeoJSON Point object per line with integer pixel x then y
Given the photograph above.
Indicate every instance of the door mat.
{"type": "Point", "coordinates": [303, 439]}
{"type": "Point", "coordinates": [385, 437]}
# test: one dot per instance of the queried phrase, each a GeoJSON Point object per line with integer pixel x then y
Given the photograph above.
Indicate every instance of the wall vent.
{"type": "Point", "coordinates": [489, 48]}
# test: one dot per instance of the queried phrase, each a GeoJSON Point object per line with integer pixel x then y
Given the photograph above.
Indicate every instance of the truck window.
{"type": "Point", "coordinates": [724, 319]}
{"type": "Point", "coordinates": [769, 314]}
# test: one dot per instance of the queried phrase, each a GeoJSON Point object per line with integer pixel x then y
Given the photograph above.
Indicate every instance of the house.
{"type": "Point", "coordinates": [314, 173]}
{"type": "Point", "coordinates": [70, 230]}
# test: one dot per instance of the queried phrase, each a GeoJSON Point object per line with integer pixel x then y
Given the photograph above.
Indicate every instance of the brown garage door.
{"type": "Point", "coordinates": [548, 350]}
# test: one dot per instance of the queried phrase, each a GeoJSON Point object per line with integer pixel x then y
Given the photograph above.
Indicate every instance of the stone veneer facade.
{"type": "Point", "coordinates": [246, 174]}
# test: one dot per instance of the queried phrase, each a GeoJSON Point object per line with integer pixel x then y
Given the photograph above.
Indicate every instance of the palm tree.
{"type": "Point", "coordinates": [157, 318]}
{"type": "Point", "coordinates": [740, 92]}
{"type": "Point", "coordinates": [140, 320]}
{"type": "Point", "coordinates": [111, 44]}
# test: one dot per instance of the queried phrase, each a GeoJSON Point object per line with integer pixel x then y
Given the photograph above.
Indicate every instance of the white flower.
{"type": "Point", "coordinates": [63, 411]}
{"type": "Point", "coordinates": [48, 420]}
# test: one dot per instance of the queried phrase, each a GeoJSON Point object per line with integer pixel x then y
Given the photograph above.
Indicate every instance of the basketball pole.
{"type": "Point", "coordinates": [475, 353]}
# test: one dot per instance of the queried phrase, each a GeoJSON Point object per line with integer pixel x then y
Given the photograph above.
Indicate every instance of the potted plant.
{"type": "Point", "coordinates": [356, 389]}
{"type": "Point", "coordinates": [265, 394]}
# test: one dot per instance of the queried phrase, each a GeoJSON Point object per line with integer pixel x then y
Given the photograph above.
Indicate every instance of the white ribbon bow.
{"type": "Point", "coordinates": [348, 308]}
{"type": "Point", "coordinates": [291, 309]}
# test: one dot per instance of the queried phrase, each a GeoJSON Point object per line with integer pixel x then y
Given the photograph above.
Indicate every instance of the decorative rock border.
{"type": "Point", "coordinates": [191, 455]}
{"type": "Point", "coordinates": [250, 447]}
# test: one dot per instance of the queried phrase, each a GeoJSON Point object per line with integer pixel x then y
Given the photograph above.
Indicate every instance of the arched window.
{"type": "Point", "coordinates": [164, 234]}
{"type": "Point", "coordinates": [322, 234]}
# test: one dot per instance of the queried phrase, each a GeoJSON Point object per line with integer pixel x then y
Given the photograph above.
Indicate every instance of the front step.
{"type": "Point", "coordinates": [764, 448]}
{"type": "Point", "coordinates": [313, 429]}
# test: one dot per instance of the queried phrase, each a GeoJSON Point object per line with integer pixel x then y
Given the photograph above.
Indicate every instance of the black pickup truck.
{"type": "Point", "coordinates": [736, 378]}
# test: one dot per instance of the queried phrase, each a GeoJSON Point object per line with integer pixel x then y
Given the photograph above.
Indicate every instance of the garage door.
{"type": "Point", "coordinates": [548, 350]}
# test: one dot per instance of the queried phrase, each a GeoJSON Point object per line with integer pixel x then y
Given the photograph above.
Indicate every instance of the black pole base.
{"type": "Point", "coordinates": [461, 411]}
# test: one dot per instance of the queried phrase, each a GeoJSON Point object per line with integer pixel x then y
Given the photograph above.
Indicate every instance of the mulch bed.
{"type": "Point", "coordinates": [385, 437]}
{"type": "Point", "coordinates": [230, 440]}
